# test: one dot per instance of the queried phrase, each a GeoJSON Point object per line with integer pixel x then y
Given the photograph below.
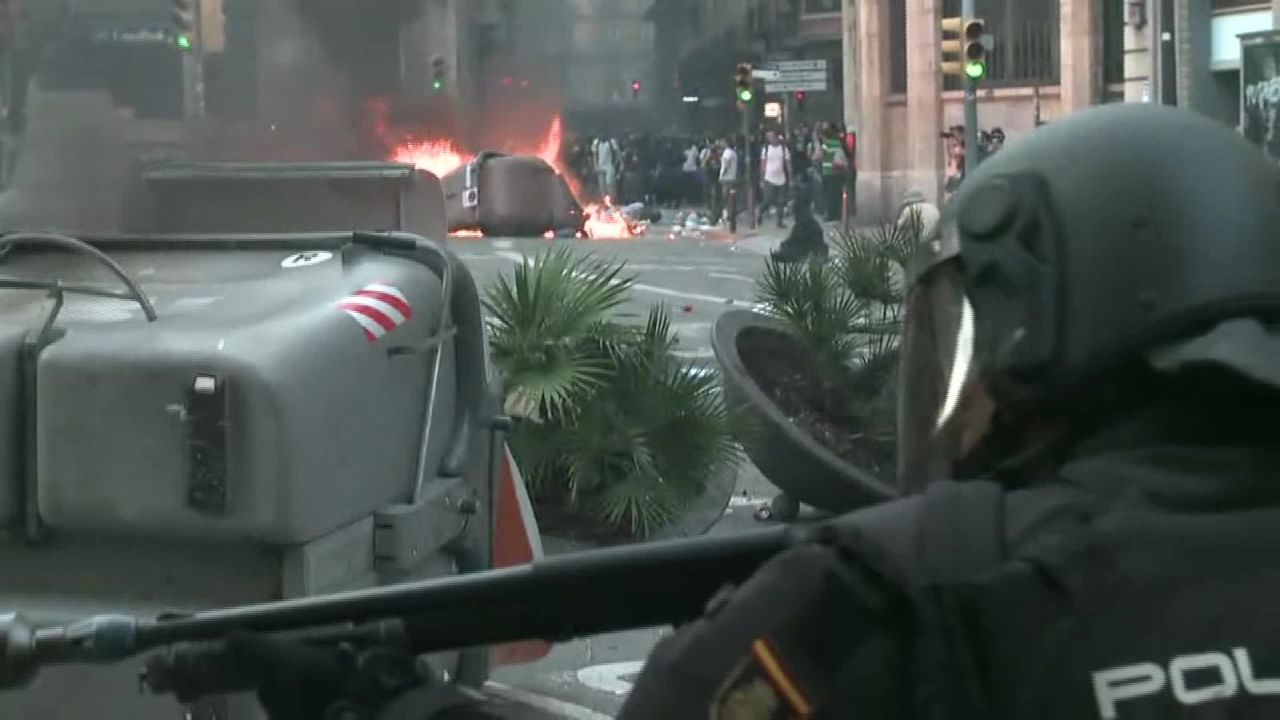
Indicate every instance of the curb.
{"type": "Point", "coordinates": [546, 703]}
{"type": "Point", "coordinates": [708, 510]}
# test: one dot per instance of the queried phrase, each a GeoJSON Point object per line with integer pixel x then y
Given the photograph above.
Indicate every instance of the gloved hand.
{"type": "Point", "coordinates": [296, 681]}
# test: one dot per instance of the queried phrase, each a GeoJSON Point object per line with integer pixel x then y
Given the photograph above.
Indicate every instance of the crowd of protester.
{"type": "Point", "coordinates": [711, 172]}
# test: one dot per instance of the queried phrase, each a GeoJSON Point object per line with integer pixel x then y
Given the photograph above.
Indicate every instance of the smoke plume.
{"type": "Point", "coordinates": [361, 37]}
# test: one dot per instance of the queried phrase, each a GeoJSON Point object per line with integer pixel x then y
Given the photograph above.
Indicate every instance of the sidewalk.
{"type": "Point", "coordinates": [510, 703]}
{"type": "Point", "coordinates": [766, 238]}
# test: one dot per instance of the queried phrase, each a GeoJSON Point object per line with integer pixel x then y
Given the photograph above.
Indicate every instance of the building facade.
{"type": "Point", "coordinates": [1187, 52]}
{"type": "Point", "coordinates": [700, 41]}
{"type": "Point", "coordinates": [1048, 58]}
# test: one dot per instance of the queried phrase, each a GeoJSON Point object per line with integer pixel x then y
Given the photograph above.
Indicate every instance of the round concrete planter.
{"type": "Point", "coordinates": [786, 455]}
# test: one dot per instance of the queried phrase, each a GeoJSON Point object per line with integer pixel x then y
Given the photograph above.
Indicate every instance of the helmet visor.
{"type": "Point", "coordinates": [936, 363]}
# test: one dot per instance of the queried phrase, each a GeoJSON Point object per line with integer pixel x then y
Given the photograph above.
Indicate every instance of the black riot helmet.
{"type": "Point", "coordinates": [1121, 236]}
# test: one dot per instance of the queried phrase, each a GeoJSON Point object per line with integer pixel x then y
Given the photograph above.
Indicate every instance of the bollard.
{"type": "Point", "coordinates": [731, 203]}
{"type": "Point", "coordinates": [844, 208]}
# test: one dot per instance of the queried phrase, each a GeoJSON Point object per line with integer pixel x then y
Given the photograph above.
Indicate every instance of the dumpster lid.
{"type": "Point", "coordinates": [239, 171]}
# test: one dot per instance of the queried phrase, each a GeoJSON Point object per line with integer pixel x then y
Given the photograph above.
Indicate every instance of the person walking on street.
{"type": "Point", "coordinates": [775, 164]}
{"type": "Point", "coordinates": [692, 187]}
{"type": "Point", "coordinates": [835, 172]}
{"type": "Point", "coordinates": [607, 158]}
{"type": "Point", "coordinates": [709, 162]}
{"type": "Point", "coordinates": [728, 178]}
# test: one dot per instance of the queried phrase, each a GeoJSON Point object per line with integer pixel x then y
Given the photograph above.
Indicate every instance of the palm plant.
{"type": "Point", "coordinates": [617, 428]}
{"type": "Point", "coordinates": [539, 322]}
{"type": "Point", "coordinates": [847, 314]}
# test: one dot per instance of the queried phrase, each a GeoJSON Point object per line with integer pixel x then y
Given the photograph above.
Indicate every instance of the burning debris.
{"type": "Point", "coordinates": [605, 221]}
{"type": "Point", "coordinates": [443, 157]}
{"type": "Point", "coordinates": [438, 157]}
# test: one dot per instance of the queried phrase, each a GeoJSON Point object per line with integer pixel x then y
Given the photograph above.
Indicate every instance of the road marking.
{"type": "Point", "coordinates": [651, 289]}
{"type": "Point", "coordinates": [731, 276]}
{"type": "Point", "coordinates": [710, 269]}
{"type": "Point", "coordinates": [692, 328]}
{"type": "Point", "coordinates": [609, 678]}
{"type": "Point", "coordinates": [567, 710]}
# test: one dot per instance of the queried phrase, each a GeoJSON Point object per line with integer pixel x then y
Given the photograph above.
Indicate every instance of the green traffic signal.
{"type": "Point", "coordinates": [184, 42]}
{"type": "Point", "coordinates": [438, 84]}
{"type": "Point", "coordinates": [745, 95]}
{"type": "Point", "coordinates": [975, 70]}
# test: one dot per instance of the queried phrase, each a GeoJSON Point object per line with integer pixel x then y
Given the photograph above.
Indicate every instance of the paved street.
{"type": "Point", "coordinates": [697, 279]}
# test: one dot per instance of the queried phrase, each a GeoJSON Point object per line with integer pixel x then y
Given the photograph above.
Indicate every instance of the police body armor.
{"type": "Point", "coordinates": [1065, 601]}
{"type": "Point", "coordinates": [1046, 603]}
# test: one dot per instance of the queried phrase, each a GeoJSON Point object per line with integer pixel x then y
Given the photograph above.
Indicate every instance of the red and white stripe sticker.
{"type": "Point", "coordinates": [378, 309]}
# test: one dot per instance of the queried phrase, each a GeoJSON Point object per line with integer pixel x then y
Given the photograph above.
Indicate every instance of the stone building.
{"type": "Point", "coordinates": [1049, 58]}
{"type": "Point", "coordinates": [1187, 52]}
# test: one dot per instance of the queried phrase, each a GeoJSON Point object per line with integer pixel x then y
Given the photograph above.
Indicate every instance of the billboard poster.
{"type": "Point", "coordinates": [1260, 91]}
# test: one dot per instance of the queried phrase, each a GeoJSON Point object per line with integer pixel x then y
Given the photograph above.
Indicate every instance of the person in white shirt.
{"type": "Point", "coordinates": [775, 164]}
{"type": "Point", "coordinates": [692, 188]}
{"type": "Point", "coordinates": [728, 176]}
{"type": "Point", "coordinates": [607, 158]}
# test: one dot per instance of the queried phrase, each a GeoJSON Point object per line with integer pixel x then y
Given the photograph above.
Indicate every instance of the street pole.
{"type": "Point", "coordinates": [197, 81]}
{"type": "Point", "coordinates": [972, 153]}
{"type": "Point", "coordinates": [749, 165]}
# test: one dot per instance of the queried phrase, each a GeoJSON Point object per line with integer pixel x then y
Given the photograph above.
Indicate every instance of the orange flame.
{"type": "Point", "coordinates": [441, 156]}
{"type": "Point", "coordinates": [606, 222]}
{"type": "Point", "coordinates": [438, 157]}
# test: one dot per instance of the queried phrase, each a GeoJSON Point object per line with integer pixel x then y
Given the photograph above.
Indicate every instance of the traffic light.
{"type": "Point", "coordinates": [743, 84]}
{"type": "Point", "coordinates": [800, 98]}
{"type": "Point", "coordinates": [635, 88]}
{"type": "Point", "coordinates": [975, 49]}
{"type": "Point", "coordinates": [952, 47]}
{"type": "Point", "coordinates": [213, 26]}
{"type": "Point", "coordinates": [183, 13]}
{"type": "Point", "coordinates": [439, 74]}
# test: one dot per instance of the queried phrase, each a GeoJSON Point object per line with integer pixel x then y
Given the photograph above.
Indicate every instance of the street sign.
{"type": "Point", "coordinates": [799, 65]}
{"type": "Point", "coordinates": [799, 86]}
{"type": "Point", "coordinates": [798, 76]}
{"type": "Point", "coordinates": [804, 76]}
{"type": "Point", "coordinates": [765, 74]}
{"type": "Point", "coordinates": [141, 35]}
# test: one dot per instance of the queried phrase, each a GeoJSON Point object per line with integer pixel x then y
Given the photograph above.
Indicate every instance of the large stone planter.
{"type": "Point", "coordinates": [784, 452]}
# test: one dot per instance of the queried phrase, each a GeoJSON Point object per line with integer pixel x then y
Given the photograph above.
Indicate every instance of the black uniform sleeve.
{"type": "Point", "coordinates": [813, 631]}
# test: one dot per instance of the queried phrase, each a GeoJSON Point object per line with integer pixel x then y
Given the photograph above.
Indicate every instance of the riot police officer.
{"type": "Point", "coordinates": [1090, 396]}
{"type": "Point", "coordinates": [1091, 382]}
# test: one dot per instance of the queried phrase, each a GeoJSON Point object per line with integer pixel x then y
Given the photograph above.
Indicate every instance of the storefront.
{"type": "Point", "coordinates": [1224, 99]}
{"type": "Point", "coordinates": [1259, 79]}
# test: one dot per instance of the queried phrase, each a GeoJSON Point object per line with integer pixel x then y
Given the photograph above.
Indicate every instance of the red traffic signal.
{"type": "Point", "coordinates": [635, 88]}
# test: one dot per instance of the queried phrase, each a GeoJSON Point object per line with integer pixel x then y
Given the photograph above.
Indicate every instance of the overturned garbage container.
{"type": "Point", "coordinates": [512, 195]}
{"type": "Point", "coordinates": [204, 421]}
